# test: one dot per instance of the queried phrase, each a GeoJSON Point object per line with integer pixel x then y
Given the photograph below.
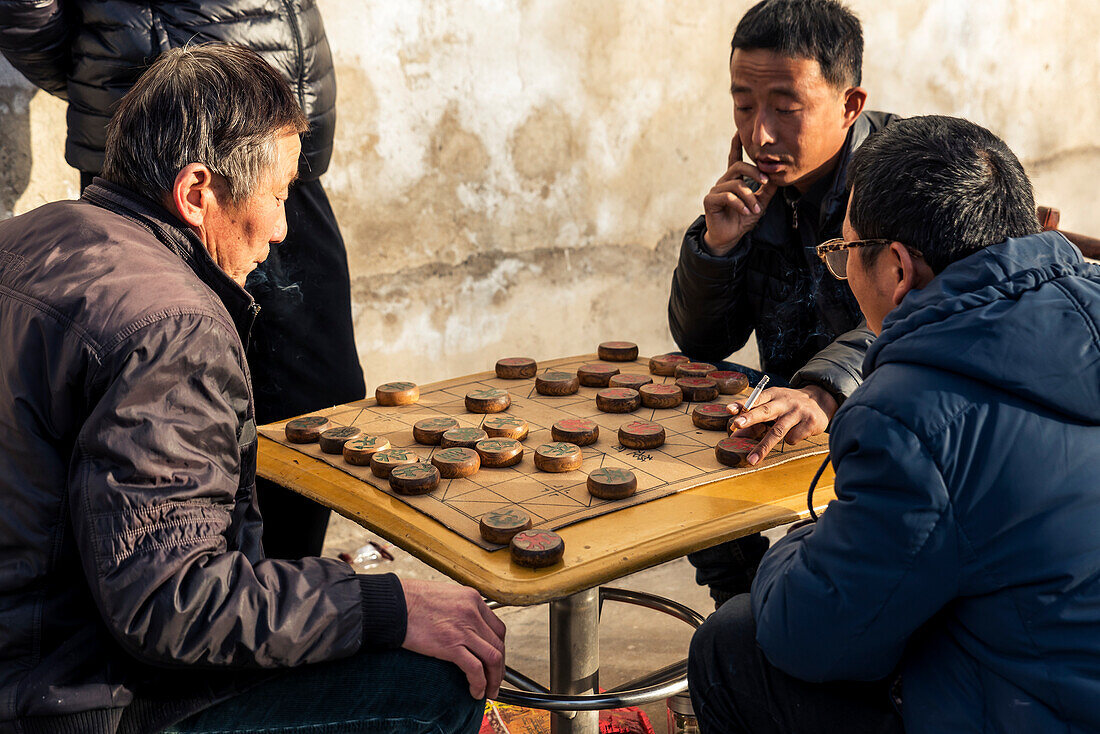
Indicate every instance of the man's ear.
{"type": "Point", "coordinates": [192, 194]}
{"type": "Point", "coordinates": [908, 273]}
{"type": "Point", "coordinates": [854, 100]}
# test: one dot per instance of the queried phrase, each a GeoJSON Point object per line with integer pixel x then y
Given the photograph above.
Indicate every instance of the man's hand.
{"type": "Point", "coordinates": [731, 208]}
{"type": "Point", "coordinates": [453, 623]}
{"type": "Point", "coordinates": [792, 414]}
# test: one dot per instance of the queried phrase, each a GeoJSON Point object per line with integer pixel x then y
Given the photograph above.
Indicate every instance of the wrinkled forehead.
{"type": "Point", "coordinates": [761, 71]}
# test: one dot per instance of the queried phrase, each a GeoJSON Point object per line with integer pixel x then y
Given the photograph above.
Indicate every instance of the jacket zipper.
{"type": "Point", "coordinates": [292, 17]}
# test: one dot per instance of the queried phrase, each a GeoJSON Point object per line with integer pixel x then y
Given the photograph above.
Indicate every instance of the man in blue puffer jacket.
{"type": "Point", "coordinates": [959, 567]}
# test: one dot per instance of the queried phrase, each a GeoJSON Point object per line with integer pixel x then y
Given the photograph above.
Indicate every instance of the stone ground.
{"type": "Point", "coordinates": [633, 641]}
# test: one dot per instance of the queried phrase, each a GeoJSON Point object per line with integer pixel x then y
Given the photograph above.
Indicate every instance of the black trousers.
{"type": "Point", "coordinates": [735, 689]}
{"type": "Point", "coordinates": [301, 352]}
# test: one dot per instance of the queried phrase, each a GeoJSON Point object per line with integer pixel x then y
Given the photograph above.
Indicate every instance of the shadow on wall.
{"type": "Point", "coordinates": [15, 140]}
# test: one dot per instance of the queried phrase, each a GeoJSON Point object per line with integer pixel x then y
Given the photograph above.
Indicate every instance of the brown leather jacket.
{"type": "Point", "coordinates": [133, 587]}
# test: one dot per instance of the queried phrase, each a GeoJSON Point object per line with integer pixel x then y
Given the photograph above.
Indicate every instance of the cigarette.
{"type": "Point", "coordinates": [755, 393]}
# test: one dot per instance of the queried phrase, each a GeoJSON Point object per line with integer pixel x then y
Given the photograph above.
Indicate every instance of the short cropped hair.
{"type": "Point", "coordinates": [216, 104]}
{"type": "Point", "coordinates": [942, 185]}
{"type": "Point", "coordinates": [823, 30]}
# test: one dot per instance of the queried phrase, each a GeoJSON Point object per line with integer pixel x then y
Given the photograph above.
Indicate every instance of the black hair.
{"type": "Point", "coordinates": [942, 185]}
{"type": "Point", "coordinates": [823, 30]}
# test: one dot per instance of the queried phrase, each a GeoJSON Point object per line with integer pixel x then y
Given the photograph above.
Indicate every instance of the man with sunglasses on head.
{"type": "Point", "coordinates": [954, 585]}
{"type": "Point", "coordinates": [748, 263]}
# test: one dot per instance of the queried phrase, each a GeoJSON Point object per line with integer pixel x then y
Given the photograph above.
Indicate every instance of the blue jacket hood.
{"type": "Point", "coordinates": [1022, 315]}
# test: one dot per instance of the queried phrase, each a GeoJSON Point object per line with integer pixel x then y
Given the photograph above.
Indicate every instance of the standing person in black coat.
{"type": "Point", "coordinates": [748, 263]}
{"type": "Point", "coordinates": [302, 352]}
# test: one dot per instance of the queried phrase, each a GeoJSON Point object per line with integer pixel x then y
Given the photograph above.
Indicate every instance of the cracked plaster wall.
{"type": "Point", "coordinates": [513, 178]}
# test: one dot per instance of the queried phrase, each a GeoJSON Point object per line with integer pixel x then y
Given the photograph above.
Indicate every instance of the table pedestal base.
{"type": "Point", "coordinates": [575, 657]}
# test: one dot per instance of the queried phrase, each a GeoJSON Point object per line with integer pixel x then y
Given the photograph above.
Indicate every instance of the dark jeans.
{"type": "Point", "coordinates": [392, 692]}
{"type": "Point", "coordinates": [301, 352]}
{"type": "Point", "coordinates": [729, 568]}
{"type": "Point", "coordinates": [735, 689]}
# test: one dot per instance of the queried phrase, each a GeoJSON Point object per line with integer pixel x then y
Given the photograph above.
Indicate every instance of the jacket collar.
{"type": "Point", "coordinates": [183, 242]}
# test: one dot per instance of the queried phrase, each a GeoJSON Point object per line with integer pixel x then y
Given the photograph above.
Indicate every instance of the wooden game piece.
{"type": "Point", "coordinates": [397, 393]}
{"type": "Point", "coordinates": [596, 374]}
{"type": "Point", "coordinates": [618, 400]}
{"type": "Point", "coordinates": [358, 451]}
{"type": "Point", "coordinates": [632, 382]}
{"type": "Point", "coordinates": [612, 483]}
{"type": "Point", "coordinates": [661, 396]}
{"type": "Point", "coordinates": [617, 351]}
{"type": "Point", "coordinates": [641, 435]}
{"type": "Point", "coordinates": [505, 426]}
{"type": "Point", "coordinates": [500, 525]}
{"type": "Point", "coordinates": [516, 368]}
{"type": "Point", "coordinates": [734, 451]}
{"type": "Point", "coordinates": [499, 452]}
{"type": "Point", "coordinates": [383, 462]}
{"type": "Point", "coordinates": [711, 416]}
{"type": "Point", "coordinates": [557, 383]}
{"type": "Point", "coordinates": [558, 457]}
{"type": "Point", "coordinates": [430, 430]}
{"type": "Point", "coordinates": [665, 364]}
{"type": "Point", "coordinates": [307, 429]}
{"type": "Point", "coordinates": [698, 389]}
{"type": "Point", "coordinates": [488, 400]}
{"type": "Point", "coordinates": [694, 369]}
{"type": "Point", "coordinates": [730, 383]}
{"type": "Point", "coordinates": [413, 479]}
{"type": "Point", "coordinates": [332, 441]}
{"type": "Point", "coordinates": [536, 548]}
{"type": "Point", "coordinates": [579, 431]}
{"type": "Point", "coordinates": [457, 462]}
{"type": "Point", "coordinates": [462, 438]}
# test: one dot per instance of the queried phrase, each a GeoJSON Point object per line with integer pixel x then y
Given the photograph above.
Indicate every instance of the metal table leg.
{"type": "Point", "coordinates": [575, 657]}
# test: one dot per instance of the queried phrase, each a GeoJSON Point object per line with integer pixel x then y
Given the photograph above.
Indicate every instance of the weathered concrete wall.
{"type": "Point", "coordinates": [514, 177]}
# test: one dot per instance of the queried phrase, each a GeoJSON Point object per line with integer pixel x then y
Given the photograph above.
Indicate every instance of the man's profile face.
{"type": "Point", "coordinates": [238, 236]}
{"type": "Point", "coordinates": [791, 121]}
{"type": "Point", "coordinates": [870, 285]}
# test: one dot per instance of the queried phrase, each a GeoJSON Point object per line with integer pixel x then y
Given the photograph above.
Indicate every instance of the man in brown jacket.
{"type": "Point", "coordinates": [134, 593]}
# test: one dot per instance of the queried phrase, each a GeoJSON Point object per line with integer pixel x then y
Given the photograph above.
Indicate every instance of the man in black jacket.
{"type": "Point", "coordinates": [134, 592]}
{"type": "Point", "coordinates": [302, 348]}
{"type": "Point", "coordinates": [748, 263]}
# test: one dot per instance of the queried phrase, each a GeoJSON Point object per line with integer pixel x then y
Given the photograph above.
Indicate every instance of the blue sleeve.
{"type": "Point", "coordinates": [838, 600]}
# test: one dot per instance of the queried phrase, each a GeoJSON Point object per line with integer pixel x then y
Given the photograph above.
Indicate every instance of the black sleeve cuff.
{"type": "Point", "coordinates": [384, 613]}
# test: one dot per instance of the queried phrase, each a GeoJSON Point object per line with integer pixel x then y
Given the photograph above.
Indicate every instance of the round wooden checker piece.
{"type": "Point", "coordinates": [488, 400]}
{"type": "Point", "coordinates": [711, 417]}
{"type": "Point", "coordinates": [632, 382]}
{"type": "Point", "coordinates": [397, 393]}
{"type": "Point", "coordinates": [558, 457]}
{"type": "Point", "coordinates": [505, 426]}
{"type": "Point", "coordinates": [734, 451]}
{"type": "Point", "coordinates": [618, 400]}
{"type": "Point", "coordinates": [665, 364]}
{"type": "Point", "coordinates": [516, 368]}
{"type": "Point", "coordinates": [537, 548]}
{"type": "Point", "coordinates": [557, 383]}
{"type": "Point", "coordinates": [641, 435]}
{"type": "Point", "coordinates": [596, 374]}
{"type": "Point", "coordinates": [307, 429]}
{"type": "Point", "coordinates": [383, 462]}
{"type": "Point", "coordinates": [730, 383]}
{"type": "Point", "coordinates": [612, 483]}
{"type": "Point", "coordinates": [499, 452]}
{"type": "Point", "coordinates": [429, 431]}
{"type": "Point", "coordinates": [464, 438]}
{"type": "Point", "coordinates": [332, 441]}
{"type": "Point", "coordinates": [698, 389]}
{"type": "Point", "coordinates": [358, 451]}
{"type": "Point", "coordinates": [694, 369]}
{"type": "Point", "coordinates": [500, 525]}
{"type": "Point", "coordinates": [457, 462]}
{"type": "Point", "coordinates": [412, 479]}
{"type": "Point", "coordinates": [579, 431]}
{"type": "Point", "coordinates": [617, 351]}
{"type": "Point", "coordinates": [661, 396]}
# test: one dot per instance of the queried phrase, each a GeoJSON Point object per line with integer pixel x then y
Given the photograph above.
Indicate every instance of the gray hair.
{"type": "Point", "coordinates": [215, 104]}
